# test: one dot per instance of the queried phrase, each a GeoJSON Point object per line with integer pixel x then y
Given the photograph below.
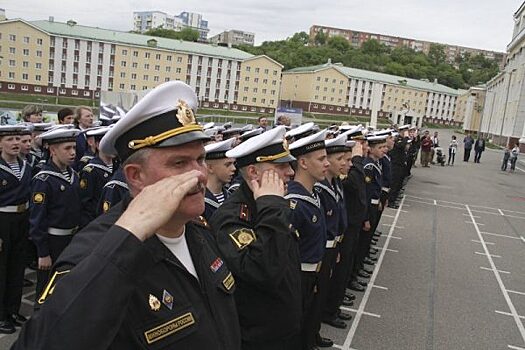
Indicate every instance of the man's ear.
{"type": "Point", "coordinates": [134, 177]}
{"type": "Point", "coordinates": [253, 172]}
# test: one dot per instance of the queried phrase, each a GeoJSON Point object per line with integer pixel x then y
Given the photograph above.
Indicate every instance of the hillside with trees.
{"type": "Point", "coordinates": [298, 51]}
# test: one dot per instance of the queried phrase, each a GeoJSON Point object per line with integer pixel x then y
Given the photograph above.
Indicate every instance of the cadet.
{"type": "Point", "coordinates": [386, 168]}
{"type": "Point", "coordinates": [309, 222]}
{"type": "Point", "coordinates": [36, 154]}
{"type": "Point", "coordinates": [143, 275]}
{"type": "Point", "coordinates": [253, 233]}
{"type": "Point", "coordinates": [113, 192]}
{"type": "Point", "coordinates": [15, 180]}
{"type": "Point", "coordinates": [55, 202]}
{"type": "Point", "coordinates": [398, 164]}
{"type": "Point", "coordinates": [93, 177]}
{"type": "Point", "coordinates": [220, 172]}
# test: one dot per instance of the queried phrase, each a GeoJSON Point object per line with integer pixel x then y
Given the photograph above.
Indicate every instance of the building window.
{"type": "Point", "coordinates": [179, 59]}
{"type": "Point", "coordinates": [26, 39]}
{"type": "Point", "coordinates": [254, 100]}
{"type": "Point", "coordinates": [11, 75]}
{"type": "Point", "coordinates": [256, 70]}
{"type": "Point", "coordinates": [135, 54]}
{"type": "Point", "coordinates": [11, 86]}
{"type": "Point", "coordinates": [135, 65]}
{"type": "Point", "coordinates": [147, 55]}
{"type": "Point", "coordinates": [122, 86]}
{"type": "Point", "coordinates": [26, 52]}
{"type": "Point", "coordinates": [38, 77]}
{"type": "Point", "coordinates": [123, 63]}
{"type": "Point", "coordinates": [156, 78]}
{"type": "Point", "coordinates": [38, 89]}
{"type": "Point", "coordinates": [146, 66]}
{"type": "Point", "coordinates": [86, 93]}
{"type": "Point", "coordinates": [256, 80]}
{"type": "Point", "coordinates": [244, 99]}
{"type": "Point", "coordinates": [255, 90]}
{"type": "Point", "coordinates": [12, 37]}
{"type": "Point", "coordinates": [24, 88]}
{"type": "Point", "coordinates": [25, 76]}
{"type": "Point", "coordinates": [178, 70]}
{"type": "Point", "coordinates": [12, 63]}
{"type": "Point", "coordinates": [146, 77]}
{"type": "Point", "coordinates": [247, 79]}
{"type": "Point", "coordinates": [124, 52]}
{"type": "Point", "coordinates": [157, 67]}
{"type": "Point", "coordinates": [122, 74]}
{"type": "Point", "coordinates": [168, 57]}
{"type": "Point", "coordinates": [50, 90]}
{"type": "Point", "coordinates": [133, 76]}
{"type": "Point", "coordinates": [248, 68]}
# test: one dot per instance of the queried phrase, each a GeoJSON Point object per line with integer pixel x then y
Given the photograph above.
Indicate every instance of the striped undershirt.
{"type": "Point", "coordinates": [66, 175]}
{"type": "Point", "coordinates": [220, 197]}
{"type": "Point", "coordinates": [15, 167]}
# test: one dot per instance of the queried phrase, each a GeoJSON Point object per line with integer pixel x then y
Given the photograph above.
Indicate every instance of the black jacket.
{"type": "Point", "coordinates": [121, 293]}
{"type": "Point", "coordinates": [354, 189]}
{"type": "Point", "coordinates": [255, 239]}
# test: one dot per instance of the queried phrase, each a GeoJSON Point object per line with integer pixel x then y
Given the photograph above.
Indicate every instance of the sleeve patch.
{"type": "Point", "coordinates": [293, 204]}
{"type": "Point", "coordinates": [50, 287]}
{"type": "Point", "coordinates": [243, 237]}
{"type": "Point", "coordinates": [368, 179]}
{"type": "Point", "coordinates": [83, 184]}
{"type": "Point", "coordinates": [39, 197]}
{"type": "Point", "coordinates": [105, 206]}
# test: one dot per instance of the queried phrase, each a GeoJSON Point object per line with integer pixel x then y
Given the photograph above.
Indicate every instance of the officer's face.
{"type": "Point", "coordinates": [338, 164]}
{"type": "Point", "coordinates": [223, 169]}
{"type": "Point", "coordinates": [10, 145]}
{"type": "Point", "coordinates": [63, 153]}
{"type": "Point", "coordinates": [25, 144]}
{"type": "Point", "coordinates": [169, 161]}
{"type": "Point", "coordinates": [284, 170]}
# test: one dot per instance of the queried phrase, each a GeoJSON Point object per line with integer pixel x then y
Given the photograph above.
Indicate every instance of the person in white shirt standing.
{"type": "Point", "coordinates": [514, 157]}
{"type": "Point", "coordinates": [452, 150]}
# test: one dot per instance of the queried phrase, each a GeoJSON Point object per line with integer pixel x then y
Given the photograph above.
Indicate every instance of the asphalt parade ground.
{"type": "Point", "coordinates": [451, 266]}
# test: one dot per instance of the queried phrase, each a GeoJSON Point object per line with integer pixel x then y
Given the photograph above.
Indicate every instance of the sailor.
{"type": "Point", "coordinates": [113, 192]}
{"type": "Point", "coordinates": [220, 173]}
{"type": "Point", "coordinates": [15, 180]}
{"type": "Point", "coordinates": [55, 202]}
{"type": "Point", "coordinates": [143, 276]}
{"type": "Point", "coordinates": [299, 132]}
{"type": "Point", "coordinates": [309, 222]}
{"type": "Point", "coordinates": [94, 176]}
{"type": "Point", "coordinates": [386, 168]}
{"type": "Point", "coordinates": [254, 236]}
{"type": "Point", "coordinates": [398, 165]}
{"type": "Point", "coordinates": [37, 153]}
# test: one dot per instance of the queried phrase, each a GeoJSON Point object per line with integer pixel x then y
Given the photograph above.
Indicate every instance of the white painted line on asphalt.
{"type": "Point", "coordinates": [512, 309]}
{"type": "Point", "coordinates": [470, 222]}
{"type": "Point", "coordinates": [522, 238]}
{"type": "Point", "coordinates": [379, 287]}
{"type": "Point", "coordinates": [476, 217]}
{"type": "Point", "coordinates": [500, 271]}
{"type": "Point", "coordinates": [515, 292]}
{"type": "Point", "coordinates": [435, 202]}
{"type": "Point", "coordinates": [387, 216]}
{"type": "Point", "coordinates": [395, 237]}
{"type": "Point", "coordinates": [390, 225]}
{"type": "Point", "coordinates": [515, 212]}
{"type": "Point", "coordinates": [501, 212]}
{"type": "Point", "coordinates": [515, 217]}
{"type": "Point", "coordinates": [362, 305]}
{"type": "Point", "coordinates": [494, 256]}
{"type": "Point", "coordinates": [489, 243]}
{"type": "Point", "coordinates": [499, 235]}
{"type": "Point", "coordinates": [484, 212]}
{"type": "Point", "coordinates": [508, 314]}
{"type": "Point", "coordinates": [344, 308]}
{"type": "Point", "coordinates": [515, 347]}
{"type": "Point", "coordinates": [340, 347]}
{"type": "Point", "coordinates": [388, 249]}
{"type": "Point", "coordinates": [520, 169]}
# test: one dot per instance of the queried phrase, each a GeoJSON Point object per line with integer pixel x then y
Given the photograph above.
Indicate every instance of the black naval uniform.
{"type": "Point", "coordinates": [92, 180]}
{"type": "Point", "coordinates": [113, 192]}
{"type": "Point", "coordinates": [212, 204]}
{"type": "Point", "coordinates": [55, 213]}
{"type": "Point", "coordinates": [398, 164]}
{"type": "Point", "coordinates": [14, 197]}
{"type": "Point", "coordinates": [309, 222]}
{"type": "Point", "coordinates": [386, 180]}
{"type": "Point", "coordinates": [255, 239]}
{"type": "Point", "coordinates": [354, 192]}
{"type": "Point", "coordinates": [111, 291]}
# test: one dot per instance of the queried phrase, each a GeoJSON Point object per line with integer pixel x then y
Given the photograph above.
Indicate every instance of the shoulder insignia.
{"type": "Point", "coordinates": [42, 177]}
{"type": "Point", "coordinates": [229, 281]}
{"type": "Point", "coordinates": [50, 287]}
{"type": "Point", "coordinates": [88, 169]}
{"type": "Point", "coordinates": [39, 197]}
{"type": "Point", "coordinates": [243, 237]}
{"type": "Point", "coordinates": [105, 206]}
{"type": "Point", "coordinates": [201, 221]}
{"type": "Point", "coordinates": [244, 212]}
{"type": "Point", "coordinates": [293, 204]}
{"type": "Point", "coordinates": [368, 179]}
{"type": "Point", "coordinates": [83, 184]}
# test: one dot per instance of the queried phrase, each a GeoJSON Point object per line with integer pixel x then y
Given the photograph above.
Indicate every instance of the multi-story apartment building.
{"type": "Point", "coordinates": [335, 89]}
{"type": "Point", "coordinates": [503, 119]}
{"type": "Point", "coordinates": [146, 20]}
{"type": "Point", "coordinates": [67, 59]}
{"type": "Point", "coordinates": [233, 37]}
{"type": "Point", "coordinates": [469, 107]}
{"type": "Point", "coordinates": [357, 38]}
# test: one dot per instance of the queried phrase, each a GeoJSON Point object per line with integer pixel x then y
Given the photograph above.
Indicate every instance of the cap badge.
{"type": "Point", "coordinates": [185, 114]}
{"type": "Point", "coordinates": [154, 303]}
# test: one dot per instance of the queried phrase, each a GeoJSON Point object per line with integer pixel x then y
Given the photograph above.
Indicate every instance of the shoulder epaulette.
{"type": "Point", "coordinates": [202, 222]}
{"type": "Point", "coordinates": [42, 177]}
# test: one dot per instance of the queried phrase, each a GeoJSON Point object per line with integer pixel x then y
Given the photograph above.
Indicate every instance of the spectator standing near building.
{"type": "Point", "coordinates": [435, 144]}
{"type": "Point", "coordinates": [262, 122]}
{"type": "Point", "coordinates": [452, 150]}
{"type": "Point", "coordinates": [468, 141]}
{"type": "Point", "coordinates": [514, 157]}
{"type": "Point", "coordinates": [479, 147]}
{"type": "Point", "coordinates": [32, 114]}
{"type": "Point", "coordinates": [506, 157]}
{"type": "Point", "coordinates": [426, 149]}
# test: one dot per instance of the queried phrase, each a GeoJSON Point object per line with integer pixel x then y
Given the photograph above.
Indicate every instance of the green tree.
{"type": "Point", "coordinates": [186, 34]}
{"type": "Point", "coordinates": [436, 54]}
{"type": "Point", "coordinates": [338, 43]}
{"type": "Point", "coordinates": [320, 38]}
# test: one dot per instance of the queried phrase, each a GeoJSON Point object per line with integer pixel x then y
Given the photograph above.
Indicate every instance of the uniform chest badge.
{"type": "Point", "coordinates": [39, 197]}
{"type": "Point", "coordinates": [154, 303]}
{"type": "Point", "coordinates": [4, 182]}
{"type": "Point", "coordinates": [106, 175]}
{"type": "Point", "coordinates": [368, 179]}
{"type": "Point", "coordinates": [167, 299]}
{"type": "Point", "coordinates": [62, 188]}
{"type": "Point", "coordinates": [314, 219]}
{"type": "Point", "coordinates": [216, 265]}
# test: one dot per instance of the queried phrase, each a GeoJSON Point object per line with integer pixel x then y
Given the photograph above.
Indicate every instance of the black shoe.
{"type": "Point", "coordinates": [349, 296]}
{"type": "Point", "coordinates": [368, 270]}
{"type": "Point", "coordinates": [373, 251]}
{"type": "Point", "coordinates": [354, 285]}
{"type": "Point", "coordinates": [368, 261]}
{"type": "Point", "coordinates": [344, 316]}
{"type": "Point", "coordinates": [373, 258]}
{"type": "Point", "coordinates": [363, 274]}
{"type": "Point", "coordinates": [27, 283]}
{"type": "Point", "coordinates": [335, 322]}
{"type": "Point", "coordinates": [393, 206]}
{"type": "Point", "coordinates": [18, 320]}
{"type": "Point", "coordinates": [347, 302]}
{"type": "Point", "coordinates": [7, 327]}
{"type": "Point", "coordinates": [374, 239]}
{"type": "Point", "coordinates": [323, 342]}
{"type": "Point", "coordinates": [373, 243]}
{"type": "Point", "coordinates": [363, 283]}
{"type": "Point", "coordinates": [378, 233]}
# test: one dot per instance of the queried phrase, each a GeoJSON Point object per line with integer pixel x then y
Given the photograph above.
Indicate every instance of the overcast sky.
{"type": "Point", "coordinates": [483, 24]}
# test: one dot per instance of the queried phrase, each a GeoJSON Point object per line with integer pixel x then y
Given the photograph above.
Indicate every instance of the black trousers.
{"type": "Point", "coordinates": [56, 244]}
{"type": "Point", "coordinates": [397, 183]}
{"type": "Point", "coordinates": [343, 272]}
{"type": "Point", "coordinates": [323, 285]}
{"type": "Point", "coordinates": [466, 154]}
{"type": "Point", "coordinates": [14, 228]}
{"type": "Point", "coordinates": [477, 156]}
{"type": "Point", "coordinates": [365, 237]}
{"type": "Point", "coordinates": [309, 282]}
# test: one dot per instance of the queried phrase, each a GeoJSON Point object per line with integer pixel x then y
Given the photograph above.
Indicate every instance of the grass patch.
{"type": "Point", "coordinates": [47, 99]}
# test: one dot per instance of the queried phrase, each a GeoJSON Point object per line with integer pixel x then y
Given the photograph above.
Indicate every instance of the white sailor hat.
{"type": "Point", "coordinates": [97, 132]}
{"type": "Point", "coordinates": [309, 144]}
{"type": "Point", "coordinates": [60, 135]}
{"type": "Point", "coordinates": [28, 128]}
{"type": "Point", "coordinates": [11, 130]}
{"type": "Point", "coordinates": [356, 133]}
{"type": "Point", "coordinates": [404, 127]}
{"type": "Point", "coordinates": [266, 147]}
{"type": "Point", "coordinates": [230, 132]}
{"type": "Point", "coordinates": [247, 127]}
{"type": "Point", "coordinates": [387, 132]}
{"type": "Point", "coordinates": [337, 144]}
{"type": "Point", "coordinates": [41, 127]}
{"type": "Point", "coordinates": [208, 125]}
{"type": "Point", "coordinates": [211, 131]}
{"type": "Point", "coordinates": [301, 131]}
{"type": "Point", "coordinates": [249, 134]}
{"type": "Point", "coordinates": [218, 150]}
{"type": "Point", "coordinates": [350, 143]}
{"type": "Point", "coordinates": [374, 140]}
{"type": "Point", "coordinates": [163, 118]}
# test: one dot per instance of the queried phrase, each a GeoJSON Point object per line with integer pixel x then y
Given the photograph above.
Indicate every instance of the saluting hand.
{"type": "Point", "coordinates": [271, 184]}
{"type": "Point", "coordinates": [357, 150]}
{"type": "Point", "coordinates": [155, 205]}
